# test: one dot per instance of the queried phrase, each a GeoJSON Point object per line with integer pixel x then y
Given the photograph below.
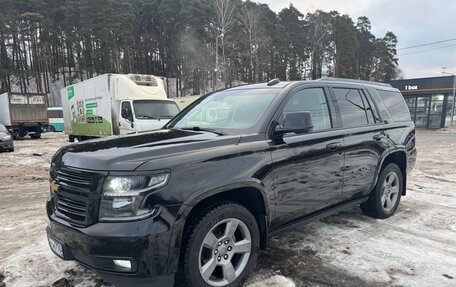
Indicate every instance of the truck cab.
{"type": "Point", "coordinates": [145, 115]}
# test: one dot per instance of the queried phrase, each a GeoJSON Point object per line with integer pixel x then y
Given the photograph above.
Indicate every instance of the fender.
{"type": "Point", "coordinates": [399, 148]}
{"type": "Point", "coordinates": [187, 207]}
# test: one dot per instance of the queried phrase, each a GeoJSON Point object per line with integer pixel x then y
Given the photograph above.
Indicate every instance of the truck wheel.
{"type": "Point", "coordinates": [222, 248]}
{"type": "Point", "coordinates": [51, 129]}
{"type": "Point", "coordinates": [385, 197]}
{"type": "Point", "coordinates": [35, 136]}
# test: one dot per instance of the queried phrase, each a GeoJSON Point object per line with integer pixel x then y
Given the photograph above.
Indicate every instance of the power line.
{"type": "Point", "coordinates": [427, 44]}
{"type": "Point", "coordinates": [417, 52]}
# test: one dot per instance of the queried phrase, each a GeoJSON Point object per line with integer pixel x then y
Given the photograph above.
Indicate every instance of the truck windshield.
{"type": "Point", "coordinates": [2, 128]}
{"type": "Point", "coordinates": [231, 112]}
{"type": "Point", "coordinates": [153, 109]}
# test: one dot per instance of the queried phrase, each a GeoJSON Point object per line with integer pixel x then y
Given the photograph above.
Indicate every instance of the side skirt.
{"type": "Point", "coordinates": [317, 215]}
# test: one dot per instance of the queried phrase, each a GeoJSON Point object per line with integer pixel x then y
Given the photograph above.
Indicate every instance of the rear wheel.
{"type": "Point", "coordinates": [51, 129]}
{"type": "Point", "coordinates": [222, 247]}
{"type": "Point", "coordinates": [385, 197]}
{"type": "Point", "coordinates": [35, 136]}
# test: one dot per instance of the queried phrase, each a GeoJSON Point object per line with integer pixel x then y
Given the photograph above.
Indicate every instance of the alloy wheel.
{"type": "Point", "coordinates": [225, 252]}
{"type": "Point", "coordinates": [390, 191]}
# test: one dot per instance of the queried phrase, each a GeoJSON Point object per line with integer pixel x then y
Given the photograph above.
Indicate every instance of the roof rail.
{"type": "Point", "coordinates": [354, 81]}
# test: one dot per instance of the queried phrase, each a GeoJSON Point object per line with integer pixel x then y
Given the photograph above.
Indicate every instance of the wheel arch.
{"type": "Point", "coordinates": [398, 157]}
{"type": "Point", "coordinates": [251, 195]}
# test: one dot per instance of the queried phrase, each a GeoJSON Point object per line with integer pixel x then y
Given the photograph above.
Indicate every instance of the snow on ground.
{"type": "Point", "coordinates": [416, 247]}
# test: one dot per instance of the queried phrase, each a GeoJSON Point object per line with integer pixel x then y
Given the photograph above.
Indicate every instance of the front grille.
{"type": "Point", "coordinates": [76, 199]}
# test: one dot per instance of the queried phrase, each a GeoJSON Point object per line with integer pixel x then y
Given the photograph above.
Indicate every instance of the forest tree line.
{"type": "Point", "coordinates": [201, 43]}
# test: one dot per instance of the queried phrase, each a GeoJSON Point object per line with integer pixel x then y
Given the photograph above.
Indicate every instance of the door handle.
{"type": "Point", "coordinates": [378, 137]}
{"type": "Point", "coordinates": [333, 146]}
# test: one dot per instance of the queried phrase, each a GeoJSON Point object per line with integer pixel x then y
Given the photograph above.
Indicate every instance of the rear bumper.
{"type": "Point", "coordinates": [144, 243]}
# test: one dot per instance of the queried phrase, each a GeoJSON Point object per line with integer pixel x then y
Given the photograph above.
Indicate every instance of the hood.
{"type": "Point", "coordinates": [127, 153]}
{"type": "Point", "coordinates": [3, 134]}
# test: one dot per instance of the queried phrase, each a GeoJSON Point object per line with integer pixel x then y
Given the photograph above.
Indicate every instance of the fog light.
{"type": "Point", "coordinates": [123, 263]}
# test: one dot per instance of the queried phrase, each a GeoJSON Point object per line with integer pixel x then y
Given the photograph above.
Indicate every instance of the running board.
{"type": "Point", "coordinates": [317, 215]}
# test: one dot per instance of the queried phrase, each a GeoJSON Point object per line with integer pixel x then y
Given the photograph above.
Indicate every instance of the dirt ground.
{"type": "Point", "coordinates": [416, 247]}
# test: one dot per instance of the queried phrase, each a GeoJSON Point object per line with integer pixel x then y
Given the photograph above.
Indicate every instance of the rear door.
{"type": "Point", "coordinates": [365, 139]}
{"type": "Point", "coordinates": [307, 167]}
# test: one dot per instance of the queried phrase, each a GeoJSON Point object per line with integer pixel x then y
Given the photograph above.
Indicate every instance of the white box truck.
{"type": "Point", "coordinates": [184, 102]}
{"type": "Point", "coordinates": [24, 113]}
{"type": "Point", "coordinates": [114, 104]}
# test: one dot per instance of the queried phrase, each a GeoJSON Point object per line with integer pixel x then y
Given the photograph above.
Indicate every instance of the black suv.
{"type": "Point", "coordinates": [194, 201]}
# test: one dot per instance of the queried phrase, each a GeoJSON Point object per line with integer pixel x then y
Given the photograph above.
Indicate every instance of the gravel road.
{"type": "Point", "coordinates": [416, 247]}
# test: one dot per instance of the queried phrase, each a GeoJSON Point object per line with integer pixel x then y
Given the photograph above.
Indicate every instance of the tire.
{"type": "Point", "coordinates": [385, 197]}
{"type": "Point", "coordinates": [51, 129]}
{"type": "Point", "coordinates": [215, 247]}
{"type": "Point", "coordinates": [11, 150]}
{"type": "Point", "coordinates": [35, 136]}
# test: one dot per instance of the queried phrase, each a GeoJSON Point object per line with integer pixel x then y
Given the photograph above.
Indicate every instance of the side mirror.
{"type": "Point", "coordinates": [126, 114]}
{"type": "Point", "coordinates": [295, 122]}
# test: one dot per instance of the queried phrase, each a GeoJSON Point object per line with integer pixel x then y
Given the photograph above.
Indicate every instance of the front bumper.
{"type": "Point", "coordinates": [144, 243]}
{"type": "Point", "coordinates": [6, 145]}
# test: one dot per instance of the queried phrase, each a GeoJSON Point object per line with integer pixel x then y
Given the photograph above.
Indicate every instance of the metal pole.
{"type": "Point", "coordinates": [452, 108]}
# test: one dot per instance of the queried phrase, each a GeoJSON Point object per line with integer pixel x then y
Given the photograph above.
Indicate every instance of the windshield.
{"type": "Point", "coordinates": [2, 128]}
{"type": "Point", "coordinates": [228, 111]}
{"type": "Point", "coordinates": [147, 109]}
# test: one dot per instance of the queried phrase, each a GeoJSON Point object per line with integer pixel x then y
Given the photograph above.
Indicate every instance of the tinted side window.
{"type": "Point", "coordinates": [354, 110]}
{"type": "Point", "coordinates": [396, 105]}
{"type": "Point", "coordinates": [310, 100]}
{"type": "Point", "coordinates": [55, 114]}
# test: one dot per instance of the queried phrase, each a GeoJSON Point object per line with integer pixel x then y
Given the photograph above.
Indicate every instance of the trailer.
{"type": "Point", "coordinates": [24, 113]}
{"type": "Point", "coordinates": [115, 104]}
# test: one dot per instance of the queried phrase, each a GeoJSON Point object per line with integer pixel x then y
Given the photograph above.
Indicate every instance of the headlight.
{"type": "Point", "coordinates": [7, 137]}
{"type": "Point", "coordinates": [123, 196]}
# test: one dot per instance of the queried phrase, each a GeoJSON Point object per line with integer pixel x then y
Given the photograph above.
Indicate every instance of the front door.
{"type": "Point", "coordinates": [307, 167]}
{"type": "Point", "coordinates": [126, 118]}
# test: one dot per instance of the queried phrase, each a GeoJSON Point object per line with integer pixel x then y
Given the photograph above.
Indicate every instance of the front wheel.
{"type": "Point", "coordinates": [222, 247]}
{"type": "Point", "coordinates": [385, 197]}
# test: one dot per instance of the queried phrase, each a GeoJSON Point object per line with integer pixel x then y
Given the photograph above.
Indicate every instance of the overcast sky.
{"type": "Point", "coordinates": [414, 22]}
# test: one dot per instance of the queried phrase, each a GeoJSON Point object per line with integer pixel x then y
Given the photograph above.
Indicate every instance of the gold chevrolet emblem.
{"type": "Point", "coordinates": [54, 186]}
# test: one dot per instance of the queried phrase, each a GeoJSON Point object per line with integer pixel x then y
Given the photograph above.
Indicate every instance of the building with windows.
{"type": "Point", "coordinates": [430, 100]}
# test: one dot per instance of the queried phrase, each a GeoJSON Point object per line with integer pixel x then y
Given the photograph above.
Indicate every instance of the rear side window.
{"type": "Point", "coordinates": [395, 104]}
{"type": "Point", "coordinates": [354, 108]}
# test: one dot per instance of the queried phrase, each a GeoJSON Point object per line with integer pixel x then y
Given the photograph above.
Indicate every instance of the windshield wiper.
{"type": "Point", "coordinates": [198, 129]}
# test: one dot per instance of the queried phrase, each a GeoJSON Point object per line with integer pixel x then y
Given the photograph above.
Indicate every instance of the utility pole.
{"type": "Point", "coordinates": [452, 108]}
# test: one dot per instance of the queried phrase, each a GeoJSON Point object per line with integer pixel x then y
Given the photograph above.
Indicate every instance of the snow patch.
{"type": "Point", "coordinates": [274, 281]}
